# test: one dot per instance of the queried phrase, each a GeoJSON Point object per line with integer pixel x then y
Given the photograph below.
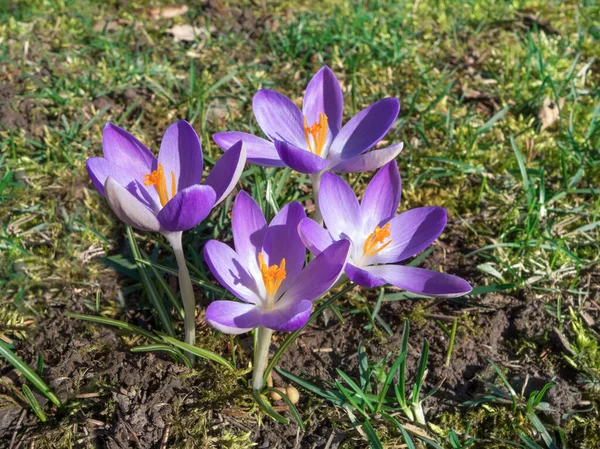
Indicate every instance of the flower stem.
{"type": "Point", "coordinates": [316, 183]}
{"type": "Point", "coordinates": [187, 291]}
{"type": "Point", "coordinates": [261, 352]}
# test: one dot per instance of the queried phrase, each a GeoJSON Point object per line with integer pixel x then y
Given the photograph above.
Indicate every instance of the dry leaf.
{"type": "Point", "coordinates": [549, 112]}
{"type": "Point", "coordinates": [184, 33]}
{"type": "Point", "coordinates": [167, 12]}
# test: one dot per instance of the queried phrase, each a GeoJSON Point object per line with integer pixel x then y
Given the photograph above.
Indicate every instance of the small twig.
{"type": "Point", "coordinates": [17, 427]}
{"type": "Point", "coordinates": [165, 438]}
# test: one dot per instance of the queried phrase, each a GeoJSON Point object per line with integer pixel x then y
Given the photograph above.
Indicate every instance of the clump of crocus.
{"type": "Point", "coordinates": [380, 238]}
{"type": "Point", "coordinates": [266, 272]}
{"type": "Point", "coordinates": [164, 194]}
{"type": "Point", "coordinates": [313, 141]}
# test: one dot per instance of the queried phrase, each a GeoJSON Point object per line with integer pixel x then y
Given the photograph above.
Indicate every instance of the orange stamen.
{"type": "Point", "coordinates": [272, 276]}
{"type": "Point", "coordinates": [158, 180]}
{"type": "Point", "coordinates": [318, 131]}
{"type": "Point", "coordinates": [377, 237]}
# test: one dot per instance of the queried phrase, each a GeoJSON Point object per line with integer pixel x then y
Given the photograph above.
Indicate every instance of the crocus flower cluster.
{"type": "Point", "coordinates": [266, 270]}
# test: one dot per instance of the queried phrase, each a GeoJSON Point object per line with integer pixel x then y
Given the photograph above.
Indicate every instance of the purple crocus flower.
{"type": "Point", "coordinates": [266, 271]}
{"type": "Point", "coordinates": [162, 195]}
{"type": "Point", "coordinates": [313, 140]}
{"type": "Point", "coordinates": [379, 238]}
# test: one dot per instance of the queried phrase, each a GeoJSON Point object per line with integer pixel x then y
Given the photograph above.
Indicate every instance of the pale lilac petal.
{"type": "Point", "coordinates": [181, 154]}
{"type": "Point", "coordinates": [365, 129]}
{"type": "Point", "coordinates": [369, 161]}
{"type": "Point", "coordinates": [227, 267]}
{"type": "Point", "coordinates": [302, 161]}
{"type": "Point", "coordinates": [187, 209]}
{"type": "Point", "coordinates": [421, 281]}
{"type": "Point", "coordinates": [411, 232]}
{"type": "Point", "coordinates": [381, 199]}
{"type": "Point", "coordinates": [287, 319]}
{"type": "Point", "coordinates": [340, 208]}
{"type": "Point", "coordinates": [227, 171]}
{"type": "Point", "coordinates": [249, 226]}
{"type": "Point", "coordinates": [363, 276]}
{"type": "Point", "coordinates": [124, 150]}
{"type": "Point", "coordinates": [258, 150]}
{"type": "Point", "coordinates": [128, 208]}
{"type": "Point", "coordinates": [279, 117]}
{"type": "Point", "coordinates": [319, 275]}
{"type": "Point", "coordinates": [282, 241]}
{"type": "Point", "coordinates": [314, 236]}
{"type": "Point", "coordinates": [324, 95]}
{"type": "Point", "coordinates": [232, 317]}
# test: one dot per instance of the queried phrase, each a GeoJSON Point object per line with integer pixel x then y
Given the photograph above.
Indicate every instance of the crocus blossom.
{"type": "Point", "coordinates": [313, 140]}
{"type": "Point", "coordinates": [266, 271]}
{"type": "Point", "coordinates": [162, 194]}
{"type": "Point", "coordinates": [379, 238]}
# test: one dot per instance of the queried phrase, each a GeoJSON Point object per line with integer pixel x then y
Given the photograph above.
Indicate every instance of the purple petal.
{"type": "Point", "coordinates": [421, 281]}
{"type": "Point", "coordinates": [339, 207]}
{"type": "Point", "coordinates": [249, 226]}
{"type": "Point", "coordinates": [314, 236]}
{"type": "Point", "coordinates": [324, 94]}
{"type": "Point", "coordinates": [227, 171]}
{"type": "Point", "coordinates": [232, 317]}
{"type": "Point", "coordinates": [365, 129]}
{"type": "Point", "coordinates": [319, 275]}
{"type": "Point", "coordinates": [411, 232]}
{"type": "Point", "coordinates": [227, 267]}
{"type": "Point", "coordinates": [381, 199]}
{"type": "Point", "coordinates": [282, 241]}
{"type": "Point", "coordinates": [131, 178]}
{"type": "Point", "coordinates": [181, 154]}
{"type": "Point", "coordinates": [124, 150]}
{"type": "Point", "coordinates": [363, 277]}
{"type": "Point", "coordinates": [369, 161]}
{"type": "Point", "coordinates": [287, 319]}
{"type": "Point", "coordinates": [188, 208]}
{"type": "Point", "coordinates": [302, 161]}
{"type": "Point", "coordinates": [259, 151]}
{"type": "Point", "coordinates": [128, 208]}
{"type": "Point", "coordinates": [279, 117]}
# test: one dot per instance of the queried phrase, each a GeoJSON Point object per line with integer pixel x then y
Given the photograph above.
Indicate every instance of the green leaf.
{"type": "Point", "coordinates": [197, 351]}
{"type": "Point", "coordinates": [177, 355]}
{"type": "Point", "coordinates": [266, 408]}
{"type": "Point", "coordinates": [289, 403]}
{"type": "Point", "coordinates": [35, 405]}
{"type": "Point", "coordinates": [115, 323]}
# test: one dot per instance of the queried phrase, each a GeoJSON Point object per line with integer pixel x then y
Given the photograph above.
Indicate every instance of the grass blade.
{"type": "Point", "coordinates": [35, 405]}
{"type": "Point", "coordinates": [115, 323]}
{"type": "Point", "coordinates": [197, 351]}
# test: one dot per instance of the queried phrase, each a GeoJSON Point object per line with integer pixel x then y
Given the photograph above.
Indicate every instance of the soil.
{"type": "Point", "coordinates": [121, 399]}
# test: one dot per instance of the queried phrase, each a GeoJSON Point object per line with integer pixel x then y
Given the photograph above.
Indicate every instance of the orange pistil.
{"type": "Point", "coordinates": [272, 276]}
{"type": "Point", "coordinates": [377, 237]}
{"type": "Point", "coordinates": [158, 180]}
{"type": "Point", "coordinates": [318, 131]}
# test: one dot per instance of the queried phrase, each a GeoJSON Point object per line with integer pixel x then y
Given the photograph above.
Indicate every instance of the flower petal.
{"type": "Point", "coordinates": [279, 117]}
{"type": "Point", "coordinates": [363, 277]}
{"type": "Point", "coordinates": [232, 317]}
{"type": "Point", "coordinates": [319, 275]}
{"type": "Point", "coordinates": [411, 232]}
{"type": "Point", "coordinates": [258, 150]}
{"type": "Point", "coordinates": [365, 129]}
{"type": "Point", "coordinates": [314, 236]}
{"type": "Point", "coordinates": [188, 208]}
{"type": "Point", "coordinates": [181, 154]}
{"type": "Point", "coordinates": [227, 267]}
{"type": "Point", "coordinates": [249, 227]}
{"type": "Point", "coordinates": [421, 281]}
{"type": "Point", "coordinates": [131, 178]}
{"type": "Point", "coordinates": [381, 199]}
{"type": "Point", "coordinates": [124, 150]}
{"type": "Point", "coordinates": [227, 171]}
{"type": "Point", "coordinates": [287, 319]}
{"type": "Point", "coordinates": [283, 242]}
{"type": "Point", "coordinates": [302, 161]}
{"type": "Point", "coordinates": [340, 209]}
{"type": "Point", "coordinates": [128, 208]}
{"type": "Point", "coordinates": [369, 161]}
{"type": "Point", "coordinates": [324, 94]}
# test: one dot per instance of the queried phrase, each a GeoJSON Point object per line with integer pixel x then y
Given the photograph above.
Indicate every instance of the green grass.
{"type": "Point", "coordinates": [471, 77]}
